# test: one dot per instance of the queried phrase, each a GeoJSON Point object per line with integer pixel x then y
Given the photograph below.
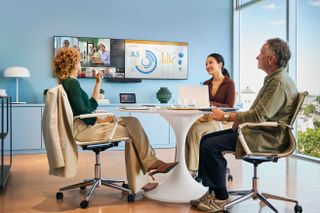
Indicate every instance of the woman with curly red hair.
{"type": "Point", "coordinates": [140, 157]}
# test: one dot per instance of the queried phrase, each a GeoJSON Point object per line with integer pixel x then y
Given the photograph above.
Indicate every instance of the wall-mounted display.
{"type": "Point", "coordinates": [128, 59]}
{"type": "Point", "coordinates": [97, 54]}
{"type": "Point", "coordinates": [156, 59]}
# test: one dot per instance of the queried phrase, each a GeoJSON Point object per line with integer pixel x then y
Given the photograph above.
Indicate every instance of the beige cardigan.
{"type": "Point", "coordinates": [57, 125]}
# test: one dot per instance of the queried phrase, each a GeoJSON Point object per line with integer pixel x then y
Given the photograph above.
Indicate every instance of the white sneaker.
{"type": "Point", "coordinates": [206, 196]}
{"type": "Point", "coordinates": [212, 205]}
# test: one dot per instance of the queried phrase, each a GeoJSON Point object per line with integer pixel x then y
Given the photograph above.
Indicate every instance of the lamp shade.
{"type": "Point", "coordinates": [247, 90]}
{"type": "Point", "coordinates": [17, 72]}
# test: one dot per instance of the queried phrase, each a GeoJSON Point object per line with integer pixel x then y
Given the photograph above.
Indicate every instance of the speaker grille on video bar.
{"type": "Point", "coordinates": [124, 80]}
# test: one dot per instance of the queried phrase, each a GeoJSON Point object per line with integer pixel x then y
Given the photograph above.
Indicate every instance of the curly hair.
{"type": "Point", "coordinates": [64, 62]}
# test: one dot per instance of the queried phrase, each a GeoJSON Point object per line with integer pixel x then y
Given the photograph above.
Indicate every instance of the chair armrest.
{"type": "Point", "coordinates": [243, 141]}
{"type": "Point", "coordinates": [94, 115]}
{"type": "Point", "coordinates": [102, 114]}
{"type": "Point", "coordinates": [267, 123]}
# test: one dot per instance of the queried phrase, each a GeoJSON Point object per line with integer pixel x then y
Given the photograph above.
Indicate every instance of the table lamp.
{"type": "Point", "coordinates": [17, 72]}
{"type": "Point", "coordinates": [247, 97]}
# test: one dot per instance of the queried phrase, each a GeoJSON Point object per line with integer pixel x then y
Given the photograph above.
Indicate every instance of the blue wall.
{"type": "Point", "coordinates": [27, 28]}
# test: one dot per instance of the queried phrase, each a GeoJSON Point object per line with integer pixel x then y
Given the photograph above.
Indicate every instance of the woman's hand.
{"type": "Point", "coordinates": [99, 76]}
{"type": "Point", "coordinates": [109, 119]}
{"type": "Point", "coordinates": [96, 89]}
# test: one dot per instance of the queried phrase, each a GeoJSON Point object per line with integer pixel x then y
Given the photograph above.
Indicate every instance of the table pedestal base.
{"type": "Point", "coordinates": [179, 187]}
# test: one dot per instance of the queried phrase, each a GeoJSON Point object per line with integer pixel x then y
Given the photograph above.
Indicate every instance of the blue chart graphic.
{"type": "Point", "coordinates": [148, 64]}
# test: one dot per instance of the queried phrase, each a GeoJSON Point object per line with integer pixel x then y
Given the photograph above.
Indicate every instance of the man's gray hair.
{"type": "Point", "coordinates": [281, 50]}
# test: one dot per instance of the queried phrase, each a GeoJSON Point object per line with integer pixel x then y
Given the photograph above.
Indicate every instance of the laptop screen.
{"type": "Point", "coordinates": [194, 96]}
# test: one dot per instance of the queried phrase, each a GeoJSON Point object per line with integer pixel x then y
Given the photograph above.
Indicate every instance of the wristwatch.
{"type": "Point", "coordinates": [226, 117]}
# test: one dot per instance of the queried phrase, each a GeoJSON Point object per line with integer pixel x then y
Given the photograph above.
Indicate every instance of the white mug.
{"type": "Point", "coordinates": [3, 92]}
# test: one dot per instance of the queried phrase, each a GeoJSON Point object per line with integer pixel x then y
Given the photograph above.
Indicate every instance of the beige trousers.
{"type": "Point", "coordinates": [139, 155]}
{"type": "Point", "coordinates": [198, 129]}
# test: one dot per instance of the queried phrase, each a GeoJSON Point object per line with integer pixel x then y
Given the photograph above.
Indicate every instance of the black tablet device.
{"type": "Point", "coordinates": [127, 98]}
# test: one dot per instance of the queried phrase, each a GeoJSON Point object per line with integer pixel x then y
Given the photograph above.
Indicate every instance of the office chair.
{"type": "Point", "coordinates": [96, 147]}
{"type": "Point", "coordinates": [258, 158]}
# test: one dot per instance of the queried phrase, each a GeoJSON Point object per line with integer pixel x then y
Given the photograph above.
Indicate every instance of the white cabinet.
{"type": "Point", "coordinates": [27, 133]}
{"type": "Point", "coordinates": [26, 126]}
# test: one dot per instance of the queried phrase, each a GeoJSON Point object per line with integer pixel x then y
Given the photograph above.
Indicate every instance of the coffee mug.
{"type": "Point", "coordinates": [3, 92]}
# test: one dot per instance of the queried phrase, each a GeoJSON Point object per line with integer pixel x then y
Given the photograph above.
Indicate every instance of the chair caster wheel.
{"type": "Point", "coordinates": [230, 178]}
{"type": "Point", "coordinates": [124, 185]}
{"type": "Point", "coordinates": [297, 208]}
{"type": "Point", "coordinates": [131, 198]}
{"type": "Point", "coordinates": [83, 187]}
{"type": "Point", "coordinates": [84, 204]}
{"type": "Point", "coordinates": [59, 196]}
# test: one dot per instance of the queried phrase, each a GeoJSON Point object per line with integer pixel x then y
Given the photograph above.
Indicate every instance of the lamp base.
{"type": "Point", "coordinates": [19, 102]}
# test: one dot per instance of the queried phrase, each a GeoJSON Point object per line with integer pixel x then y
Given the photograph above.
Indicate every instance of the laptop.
{"type": "Point", "coordinates": [193, 96]}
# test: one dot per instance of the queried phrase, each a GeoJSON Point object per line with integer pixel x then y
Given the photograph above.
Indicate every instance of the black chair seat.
{"type": "Point", "coordinates": [259, 159]}
{"type": "Point", "coordinates": [99, 147]}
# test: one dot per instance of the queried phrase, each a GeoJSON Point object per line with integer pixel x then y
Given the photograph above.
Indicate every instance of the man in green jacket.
{"type": "Point", "coordinates": [276, 101]}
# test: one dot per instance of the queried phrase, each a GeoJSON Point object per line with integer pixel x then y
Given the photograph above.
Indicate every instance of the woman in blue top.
{"type": "Point", "coordinates": [139, 155]}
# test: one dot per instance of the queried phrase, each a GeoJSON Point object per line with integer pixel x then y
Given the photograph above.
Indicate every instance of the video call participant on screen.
{"type": "Point", "coordinates": [66, 43]}
{"type": "Point", "coordinates": [139, 155]}
{"type": "Point", "coordinates": [222, 94]}
{"type": "Point", "coordinates": [104, 55]}
{"type": "Point", "coordinates": [275, 101]}
{"type": "Point", "coordinates": [95, 58]}
{"type": "Point", "coordinates": [108, 73]}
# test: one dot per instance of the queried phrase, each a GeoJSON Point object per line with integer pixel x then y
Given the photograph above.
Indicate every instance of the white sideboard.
{"type": "Point", "coordinates": [27, 136]}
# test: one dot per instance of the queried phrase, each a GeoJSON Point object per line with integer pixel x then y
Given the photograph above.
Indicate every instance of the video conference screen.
{"type": "Point", "coordinates": [121, 58]}
{"type": "Point", "coordinates": [96, 54]}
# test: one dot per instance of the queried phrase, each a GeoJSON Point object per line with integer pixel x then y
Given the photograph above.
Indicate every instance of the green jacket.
{"type": "Point", "coordinates": [276, 101]}
{"type": "Point", "coordinates": [79, 100]}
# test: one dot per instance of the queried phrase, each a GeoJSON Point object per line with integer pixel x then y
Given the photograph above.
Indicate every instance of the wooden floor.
{"type": "Point", "coordinates": [31, 189]}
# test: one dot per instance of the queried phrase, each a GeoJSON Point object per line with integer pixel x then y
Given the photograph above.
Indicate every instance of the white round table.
{"type": "Point", "coordinates": [179, 186]}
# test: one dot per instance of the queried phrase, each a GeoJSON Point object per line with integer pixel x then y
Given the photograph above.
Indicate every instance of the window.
{"type": "Point", "coordinates": [308, 75]}
{"type": "Point", "coordinates": [257, 23]}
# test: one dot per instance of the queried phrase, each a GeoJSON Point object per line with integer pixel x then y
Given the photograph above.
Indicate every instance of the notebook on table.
{"type": "Point", "coordinates": [225, 109]}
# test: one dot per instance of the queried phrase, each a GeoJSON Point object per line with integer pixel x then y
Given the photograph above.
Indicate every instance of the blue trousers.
{"type": "Point", "coordinates": [212, 164]}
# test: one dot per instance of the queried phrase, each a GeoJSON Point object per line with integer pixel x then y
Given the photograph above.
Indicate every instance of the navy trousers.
{"type": "Point", "coordinates": [212, 164]}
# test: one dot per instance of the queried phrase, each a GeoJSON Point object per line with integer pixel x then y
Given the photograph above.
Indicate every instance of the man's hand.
{"type": "Point", "coordinates": [235, 126]}
{"type": "Point", "coordinates": [217, 114]}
